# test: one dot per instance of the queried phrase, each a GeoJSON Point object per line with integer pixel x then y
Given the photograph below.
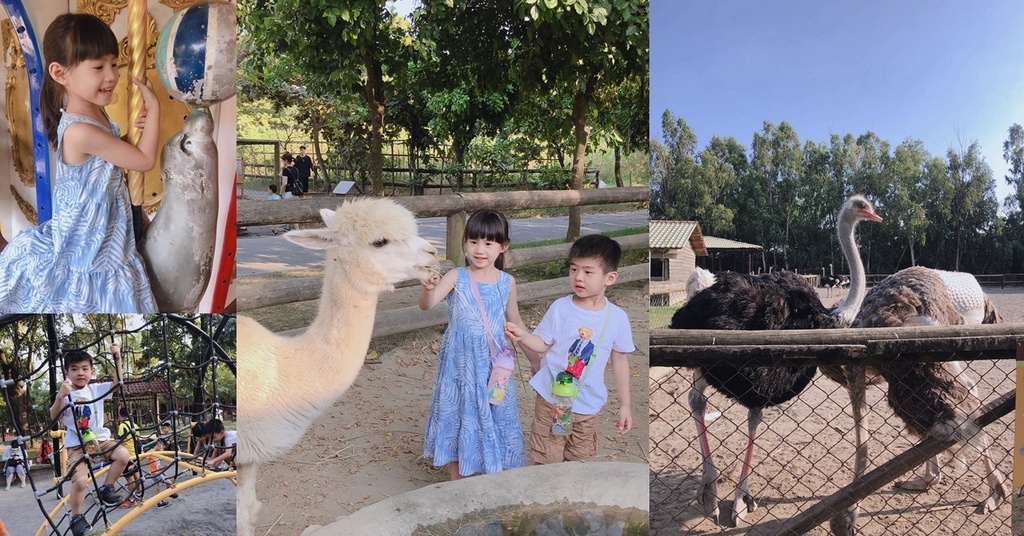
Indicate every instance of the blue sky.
{"type": "Point", "coordinates": [939, 71]}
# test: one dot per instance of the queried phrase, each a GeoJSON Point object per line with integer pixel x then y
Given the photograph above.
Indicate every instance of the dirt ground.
{"type": "Point", "coordinates": [369, 446]}
{"type": "Point", "coordinates": [805, 451]}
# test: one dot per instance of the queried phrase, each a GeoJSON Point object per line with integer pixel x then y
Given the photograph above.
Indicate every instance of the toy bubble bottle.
{"type": "Point", "coordinates": [563, 391]}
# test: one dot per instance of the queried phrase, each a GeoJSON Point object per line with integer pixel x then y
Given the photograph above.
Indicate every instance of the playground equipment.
{"type": "Point", "coordinates": [195, 55]}
{"type": "Point", "coordinates": [190, 353]}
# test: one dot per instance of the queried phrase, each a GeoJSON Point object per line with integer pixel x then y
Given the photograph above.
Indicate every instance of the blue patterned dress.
{"type": "Point", "coordinates": [83, 260]}
{"type": "Point", "coordinates": [463, 426]}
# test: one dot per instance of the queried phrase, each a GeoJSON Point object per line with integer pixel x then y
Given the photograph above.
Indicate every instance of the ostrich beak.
{"type": "Point", "coordinates": [870, 214]}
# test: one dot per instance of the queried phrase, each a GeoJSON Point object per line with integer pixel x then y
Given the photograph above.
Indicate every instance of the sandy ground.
{"type": "Point", "coordinates": [369, 446]}
{"type": "Point", "coordinates": [805, 452]}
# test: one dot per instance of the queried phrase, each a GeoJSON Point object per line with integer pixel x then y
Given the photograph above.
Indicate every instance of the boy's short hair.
{"type": "Point", "coordinates": [597, 246]}
{"type": "Point", "coordinates": [76, 356]}
{"type": "Point", "coordinates": [273, 188]}
{"type": "Point", "coordinates": [301, 147]}
{"type": "Point", "coordinates": [122, 411]}
{"type": "Point", "coordinates": [214, 426]}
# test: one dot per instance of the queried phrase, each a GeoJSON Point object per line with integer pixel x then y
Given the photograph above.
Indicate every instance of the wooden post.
{"type": "Point", "coordinates": [453, 241]}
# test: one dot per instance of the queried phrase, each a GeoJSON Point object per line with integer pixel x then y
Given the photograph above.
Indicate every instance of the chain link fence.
{"type": "Point", "coordinates": [805, 452]}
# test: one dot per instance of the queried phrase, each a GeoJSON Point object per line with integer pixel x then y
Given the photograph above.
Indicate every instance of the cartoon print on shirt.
{"type": "Point", "coordinates": [580, 352]}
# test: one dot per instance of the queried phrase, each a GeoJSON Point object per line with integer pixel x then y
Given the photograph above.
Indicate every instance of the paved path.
{"type": "Point", "coordinates": [261, 251]}
{"type": "Point", "coordinates": [204, 510]}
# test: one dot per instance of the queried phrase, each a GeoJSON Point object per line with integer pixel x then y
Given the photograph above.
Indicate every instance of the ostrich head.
{"type": "Point", "coordinates": [856, 209]}
{"type": "Point", "coordinates": [371, 242]}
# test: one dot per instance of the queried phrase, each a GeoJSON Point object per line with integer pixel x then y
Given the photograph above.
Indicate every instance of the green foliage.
{"type": "Point", "coordinates": [939, 212]}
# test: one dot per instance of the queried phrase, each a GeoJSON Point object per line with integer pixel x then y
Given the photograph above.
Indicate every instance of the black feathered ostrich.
{"type": "Point", "coordinates": [932, 398]}
{"type": "Point", "coordinates": [781, 300]}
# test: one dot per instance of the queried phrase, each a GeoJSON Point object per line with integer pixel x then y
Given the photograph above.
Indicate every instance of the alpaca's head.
{"type": "Point", "coordinates": [372, 241]}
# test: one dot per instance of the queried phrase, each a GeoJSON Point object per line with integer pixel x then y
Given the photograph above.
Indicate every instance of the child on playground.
{"type": "Point", "coordinates": [165, 442]}
{"type": "Point", "coordinates": [83, 259]}
{"type": "Point", "coordinates": [126, 432]}
{"type": "Point", "coordinates": [79, 406]}
{"type": "Point", "coordinates": [578, 335]}
{"type": "Point", "coordinates": [223, 442]}
{"type": "Point", "coordinates": [466, 429]}
{"type": "Point", "coordinates": [13, 464]}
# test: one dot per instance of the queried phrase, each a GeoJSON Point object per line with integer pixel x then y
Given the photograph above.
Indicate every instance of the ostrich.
{"type": "Point", "coordinates": [829, 281]}
{"type": "Point", "coordinates": [285, 383]}
{"type": "Point", "coordinates": [931, 398]}
{"type": "Point", "coordinates": [779, 300]}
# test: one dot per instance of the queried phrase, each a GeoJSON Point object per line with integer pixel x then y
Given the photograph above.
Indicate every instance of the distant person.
{"type": "Point", "coordinates": [290, 175]}
{"type": "Point", "coordinates": [126, 432]}
{"type": "Point", "coordinates": [14, 464]}
{"type": "Point", "coordinates": [305, 166]}
{"type": "Point", "coordinates": [273, 195]}
{"type": "Point", "coordinates": [165, 442]}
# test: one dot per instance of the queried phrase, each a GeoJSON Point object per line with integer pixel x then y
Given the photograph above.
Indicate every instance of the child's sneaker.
{"type": "Point", "coordinates": [162, 504]}
{"type": "Point", "coordinates": [128, 504]}
{"type": "Point", "coordinates": [79, 526]}
{"type": "Point", "coordinates": [108, 496]}
{"type": "Point", "coordinates": [174, 495]}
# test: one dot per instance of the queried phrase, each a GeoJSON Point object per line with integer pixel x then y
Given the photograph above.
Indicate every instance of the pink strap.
{"type": "Point", "coordinates": [483, 314]}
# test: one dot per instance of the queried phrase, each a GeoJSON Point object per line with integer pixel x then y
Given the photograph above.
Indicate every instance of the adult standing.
{"type": "Point", "coordinates": [305, 166]}
{"type": "Point", "coordinates": [290, 175]}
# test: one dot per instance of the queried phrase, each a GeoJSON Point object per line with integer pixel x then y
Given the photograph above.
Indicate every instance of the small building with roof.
{"type": "Point", "coordinates": [675, 246]}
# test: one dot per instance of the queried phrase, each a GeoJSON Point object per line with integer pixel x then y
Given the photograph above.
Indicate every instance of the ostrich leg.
{"type": "Point", "coordinates": [999, 491]}
{"type": "Point", "coordinates": [744, 502]}
{"type": "Point", "coordinates": [708, 495]}
{"type": "Point", "coordinates": [845, 523]}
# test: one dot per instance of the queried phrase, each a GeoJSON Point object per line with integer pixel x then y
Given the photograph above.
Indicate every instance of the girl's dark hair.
{"type": "Point", "coordinates": [488, 225]}
{"type": "Point", "coordinates": [69, 40]}
{"type": "Point", "coordinates": [287, 157]}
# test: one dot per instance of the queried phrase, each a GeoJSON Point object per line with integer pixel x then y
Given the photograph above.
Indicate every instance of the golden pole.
{"type": "Point", "coordinates": [138, 44]}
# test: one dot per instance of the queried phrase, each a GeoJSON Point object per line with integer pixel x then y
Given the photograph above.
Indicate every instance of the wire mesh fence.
{"type": "Point", "coordinates": [805, 451]}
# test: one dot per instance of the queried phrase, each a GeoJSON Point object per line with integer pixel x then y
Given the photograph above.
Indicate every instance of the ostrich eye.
{"type": "Point", "coordinates": [380, 242]}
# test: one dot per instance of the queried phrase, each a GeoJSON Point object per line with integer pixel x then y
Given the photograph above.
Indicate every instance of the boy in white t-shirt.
{"type": "Point", "coordinates": [578, 336]}
{"type": "Point", "coordinates": [79, 406]}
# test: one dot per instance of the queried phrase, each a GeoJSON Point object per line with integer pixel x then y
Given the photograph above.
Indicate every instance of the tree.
{"type": "Point", "coordinates": [973, 191]}
{"type": "Point", "coordinates": [347, 47]}
{"type": "Point", "coordinates": [576, 47]}
{"type": "Point", "coordinates": [1013, 154]}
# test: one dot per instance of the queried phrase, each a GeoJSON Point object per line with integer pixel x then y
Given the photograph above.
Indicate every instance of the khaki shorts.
{"type": "Point", "coordinates": [546, 447]}
{"type": "Point", "coordinates": [75, 453]}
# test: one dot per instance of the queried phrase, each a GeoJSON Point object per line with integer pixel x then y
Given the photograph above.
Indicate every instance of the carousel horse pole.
{"type": "Point", "coordinates": [138, 43]}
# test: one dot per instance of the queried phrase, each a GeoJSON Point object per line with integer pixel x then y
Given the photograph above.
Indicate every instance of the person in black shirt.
{"type": "Point", "coordinates": [305, 166]}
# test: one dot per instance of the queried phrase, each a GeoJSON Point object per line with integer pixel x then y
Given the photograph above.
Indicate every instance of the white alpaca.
{"type": "Point", "coordinates": [285, 383]}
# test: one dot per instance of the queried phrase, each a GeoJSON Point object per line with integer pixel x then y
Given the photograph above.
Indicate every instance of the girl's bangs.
{"type": "Point", "coordinates": [487, 227]}
{"type": "Point", "coordinates": [92, 40]}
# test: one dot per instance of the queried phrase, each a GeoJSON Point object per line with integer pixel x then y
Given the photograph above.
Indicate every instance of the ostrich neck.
{"type": "Point", "coordinates": [848, 310]}
{"type": "Point", "coordinates": [341, 332]}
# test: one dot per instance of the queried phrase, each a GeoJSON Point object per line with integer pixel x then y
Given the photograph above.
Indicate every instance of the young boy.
{"type": "Point", "coordinates": [578, 335]}
{"type": "Point", "coordinates": [126, 431]}
{"type": "Point", "coordinates": [224, 444]}
{"type": "Point", "coordinates": [79, 406]}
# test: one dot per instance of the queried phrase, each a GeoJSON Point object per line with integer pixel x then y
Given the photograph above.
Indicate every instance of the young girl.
{"type": "Point", "coordinates": [464, 430]}
{"type": "Point", "coordinates": [84, 259]}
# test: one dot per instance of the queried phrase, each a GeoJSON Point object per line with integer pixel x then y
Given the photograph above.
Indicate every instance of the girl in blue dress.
{"type": "Point", "coordinates": [83, 260]}
{"type": "Point", "coordinates": [465, 431]}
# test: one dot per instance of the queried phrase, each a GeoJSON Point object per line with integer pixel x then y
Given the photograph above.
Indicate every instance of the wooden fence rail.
{"type": "Point", "coordinates": [863, 346]}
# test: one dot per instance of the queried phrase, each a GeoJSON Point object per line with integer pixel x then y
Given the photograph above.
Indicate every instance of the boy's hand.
{"type": "Point", "coordinates": [431, 282]}
{"type": "Point", "coordinates": [65, 389]}
{"type": "Point", "coordinates": [115, 350]}
{"type": "Point", "coordinates": [625, 422]}
{"type": "Point", "coordinates": [513, 331]}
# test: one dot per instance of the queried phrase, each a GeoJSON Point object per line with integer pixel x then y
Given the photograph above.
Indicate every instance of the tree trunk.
{"type": "Point", "coordinates": [374, 93]}
{"type": "Point", "coordinates": [580, 105]}
{"type": "Point", "coordinates": [618, 167]}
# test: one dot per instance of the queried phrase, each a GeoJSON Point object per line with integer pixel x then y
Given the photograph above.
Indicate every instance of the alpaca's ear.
{"type": "Point", "coordinates": [312, 238]}
{"type": "Point", "coordinates": [327, 215]}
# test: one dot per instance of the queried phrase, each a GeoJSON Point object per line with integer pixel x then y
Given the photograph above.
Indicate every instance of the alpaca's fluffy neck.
{"type": "Point", "coordinates": [340, 334]}
{"type": "Point", "coordinates": [847, 310]}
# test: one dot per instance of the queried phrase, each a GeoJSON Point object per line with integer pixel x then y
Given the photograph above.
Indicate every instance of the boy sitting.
{"type": "Point", "coordinates": [578, 335]}
{"type": "Point", "coordinates": [224, 445]}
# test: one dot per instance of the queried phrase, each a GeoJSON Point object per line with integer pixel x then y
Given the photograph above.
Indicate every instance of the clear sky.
{"type": "Point", "coordinates": [937, 71]}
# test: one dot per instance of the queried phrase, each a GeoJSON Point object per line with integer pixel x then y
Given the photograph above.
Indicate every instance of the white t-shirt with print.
{"type": "Point", "coordinates": [95, 410]}
{"type": "Point", "coordinates": [230, 438]}
{"type": "Point", "coordinates": [560, 328]}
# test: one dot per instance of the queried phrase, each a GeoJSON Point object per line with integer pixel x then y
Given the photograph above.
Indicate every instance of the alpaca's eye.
{"type": "Point", "coordinates": [380, 242]}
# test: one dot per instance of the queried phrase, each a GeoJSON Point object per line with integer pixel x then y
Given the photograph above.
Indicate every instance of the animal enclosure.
{"type": "Point", "coordinates": [805, 449]}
